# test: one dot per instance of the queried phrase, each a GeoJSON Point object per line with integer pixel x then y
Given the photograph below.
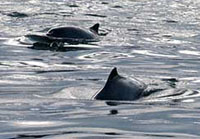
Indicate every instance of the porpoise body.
{"type": "Point", "coordinates": [118, 87]}
{"type": "Point", "coordinates": [70, 34]}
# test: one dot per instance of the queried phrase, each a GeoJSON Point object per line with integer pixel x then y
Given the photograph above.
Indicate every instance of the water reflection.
{"type": "Point", "coordinates": [35, 123]}
{"type": "Point", "coordinates": [60, 47]}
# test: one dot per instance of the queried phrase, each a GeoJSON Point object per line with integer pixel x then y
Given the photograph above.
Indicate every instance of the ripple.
{"type": "Point", "coordinates": [73, 5]}
{"type": "Point", "coordinates": [35, 123]}
{"type": "Point", "coordinates": [104, 56]}
{"type": "Point", "coordinates": [174, 95]}
{"type": "Point", "coordinates": [79, 92]}
{"type": "Point", "coordinates": [117, 6]}
{"type": "Point", "coordinates": [14, 42]}
{"type": "Point", "coordinates": [150, 53]}
{"type": "Point", "coordinates": [62, 47]}
{"type": "Point", "coordinates": [170, 21]}
{"type": "Point", "coordinates": [96, 15]}
{"type": "Point", "coordinates": [24, 63]}
{"type": "Point", "coordinates": [50, 71]}
{"type": "Point", "coordinates": [17, 14]}
{"type": "Point", "coordinates": [189, 52]}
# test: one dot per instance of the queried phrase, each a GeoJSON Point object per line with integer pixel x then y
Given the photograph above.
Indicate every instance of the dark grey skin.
{"type": "Point", "coordinates": [74, 33]}
{"type": "Point", "coordinates": [121, 88]}
{"type": "Point", "coordinates": [70, 35]}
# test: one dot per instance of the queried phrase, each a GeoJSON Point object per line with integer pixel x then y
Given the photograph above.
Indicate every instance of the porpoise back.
{"type": "Point", "coordinates": [74, 32]}
{"type": "Point", "coordinates": [121, 88]}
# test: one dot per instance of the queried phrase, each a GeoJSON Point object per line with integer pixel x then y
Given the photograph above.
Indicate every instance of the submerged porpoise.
{"type": "Point", "coordinates": [121, 88]}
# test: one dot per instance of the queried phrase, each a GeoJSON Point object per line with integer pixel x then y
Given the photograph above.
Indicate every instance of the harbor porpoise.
{"type": "Point", "coordinates": [70, 34]}
{"type": "Point", "coordinates": [118, 87]}
{"type": "Point", "coordinates": [55, 38]}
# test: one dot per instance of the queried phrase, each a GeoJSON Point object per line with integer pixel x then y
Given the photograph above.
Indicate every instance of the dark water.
{"type": "Point", "coordinates": [47, 94]}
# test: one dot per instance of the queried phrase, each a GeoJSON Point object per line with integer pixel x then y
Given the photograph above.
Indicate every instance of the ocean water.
{"type": "Point", "coordinates": [47, 93]}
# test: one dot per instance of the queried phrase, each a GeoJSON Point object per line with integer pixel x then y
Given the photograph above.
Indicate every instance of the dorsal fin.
{"type": "Point", "coordinates": [95, 28]}
{"type": "Point", "coordinates": [113, 74]}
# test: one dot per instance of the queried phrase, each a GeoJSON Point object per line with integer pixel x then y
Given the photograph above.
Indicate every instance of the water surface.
{"type": "Point", "coordinates": [47, 94]}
